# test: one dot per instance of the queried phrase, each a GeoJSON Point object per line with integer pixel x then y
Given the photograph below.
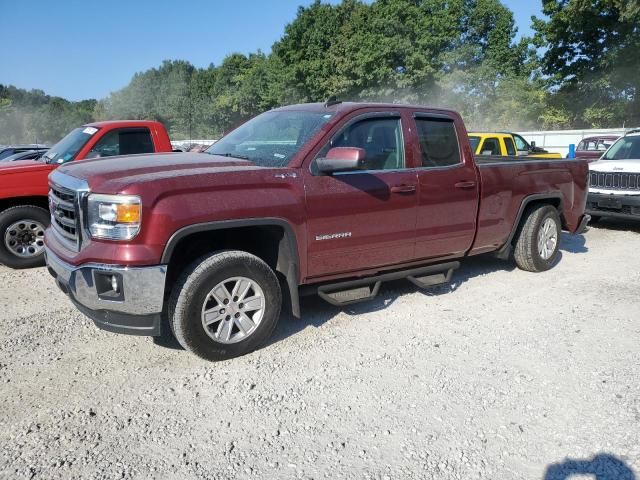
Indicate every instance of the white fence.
{"type": "Point", "coordinates": [190, 143]}
{"type": "Point", "coordinates": [559, 140]}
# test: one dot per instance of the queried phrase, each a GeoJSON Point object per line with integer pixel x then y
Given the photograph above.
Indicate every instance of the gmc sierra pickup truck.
{"type": "Point", "coordinates": [331, 198]}
{"type": "Point", "coordinates": [24, 186]}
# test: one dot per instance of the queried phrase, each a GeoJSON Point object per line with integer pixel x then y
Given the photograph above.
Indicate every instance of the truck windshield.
{"type": "Point", "coordinates": [625, 148]}
{"type": "Point", "coordinates": [67, 148]}
{"type": "Point", "coordinates": [272, 138]}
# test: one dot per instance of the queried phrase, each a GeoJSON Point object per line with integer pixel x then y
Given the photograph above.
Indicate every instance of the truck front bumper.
{"type": "Point", "coordinates": [608, 205]}
{"type": "Point", "coordinates": [118, 299]}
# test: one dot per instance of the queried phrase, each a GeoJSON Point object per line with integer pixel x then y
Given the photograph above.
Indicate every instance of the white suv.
{"type": "Point", "coordinates": [614, 180]}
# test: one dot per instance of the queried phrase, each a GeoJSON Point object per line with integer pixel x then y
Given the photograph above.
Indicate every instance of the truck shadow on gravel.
{"type": "Point", "coordinates": [600, 467]}
{"type": "Point", "coordinates": [573, 243]}
{"type": "Point", "coordinates": [316, 312]}
{"type": "Point", "coordinates": [617, 224]}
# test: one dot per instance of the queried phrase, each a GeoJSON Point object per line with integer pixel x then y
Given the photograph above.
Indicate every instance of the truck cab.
{"type": "Point", "coordinates": [506, 145]}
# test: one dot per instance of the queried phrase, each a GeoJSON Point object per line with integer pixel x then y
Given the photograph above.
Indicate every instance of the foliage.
{"type": "Point", "coordinates": [579, 70]}
{"type": "Point", "coordinates": [32, 116]}
{"type": "Point", "coordinates": [592, 59]}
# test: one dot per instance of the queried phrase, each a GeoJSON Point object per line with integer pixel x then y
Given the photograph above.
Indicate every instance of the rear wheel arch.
{"type": "Point", "coordinates": [270, 239]}
{"type": "Point", "coordinates": [526, 206]}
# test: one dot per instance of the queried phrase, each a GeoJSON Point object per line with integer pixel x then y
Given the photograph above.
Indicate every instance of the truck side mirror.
{"type": "Point", "coordinates": [533, 145]}
{"type": "Point", "coordinates": [341, 159]}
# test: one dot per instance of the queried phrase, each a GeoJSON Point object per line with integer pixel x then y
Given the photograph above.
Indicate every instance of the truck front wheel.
{"type": "Point", "coordinates": [538, 242]}
{"type": "Point", "coordinates": [224, 305]}
{"type": "Point", "coordinates": [22, 236]}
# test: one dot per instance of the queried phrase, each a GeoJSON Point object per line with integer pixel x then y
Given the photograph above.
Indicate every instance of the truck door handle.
{"type": "Point", "coordinates": [465, 184]}
{"type": "Point", "coordinates": [403, 189]}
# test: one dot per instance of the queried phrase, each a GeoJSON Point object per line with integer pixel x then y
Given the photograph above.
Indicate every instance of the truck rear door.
{"type": "Point", "coordinates": [448, 187]}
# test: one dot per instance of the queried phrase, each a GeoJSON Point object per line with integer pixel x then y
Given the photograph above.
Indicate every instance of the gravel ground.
{"type": "Point", "coordinates": [502, 375]}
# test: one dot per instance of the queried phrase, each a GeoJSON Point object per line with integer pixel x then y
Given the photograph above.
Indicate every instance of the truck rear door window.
{"type": "Point", "coordinates": [438, 142]}
{"type": "Point", "coordinates": [491, 146]}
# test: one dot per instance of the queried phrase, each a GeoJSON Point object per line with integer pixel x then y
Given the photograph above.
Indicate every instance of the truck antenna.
{"type": "Point", "coordinates": [332, 100]}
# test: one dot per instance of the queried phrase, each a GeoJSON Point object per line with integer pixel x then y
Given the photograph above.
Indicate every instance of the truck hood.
{"type": "Point", "coordinates": [23, 166]}
{"type": "Point", "coordinates": [629, 166]}
{"type": "Point", "coordinates": [115, 174]}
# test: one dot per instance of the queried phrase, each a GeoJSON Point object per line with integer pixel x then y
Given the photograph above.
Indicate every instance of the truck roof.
{"type": "Point", "coordinates": [492, 134]}
{"type": "Point", "coordinates": [345, 107]}
{"type": "Point", "coordinates": [124, 123]}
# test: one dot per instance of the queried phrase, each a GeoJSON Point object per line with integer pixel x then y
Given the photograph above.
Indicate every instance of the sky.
{"type": "Point", "coordinates": [81, 49]}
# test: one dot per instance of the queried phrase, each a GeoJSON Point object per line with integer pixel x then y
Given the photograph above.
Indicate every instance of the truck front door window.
{"type": "Point", "coordinates": [128, 141]}
{"type": "Point", "coordinates": [381, 138]}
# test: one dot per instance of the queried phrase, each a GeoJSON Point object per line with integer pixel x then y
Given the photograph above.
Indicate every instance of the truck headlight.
{"type": "Point", "coordinates": [114, 217]}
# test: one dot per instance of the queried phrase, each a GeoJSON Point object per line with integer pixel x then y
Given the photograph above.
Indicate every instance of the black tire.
{"type": "Point", "coordinates": [9, 217]}
{"type": "Point", "coordinates": [595, 219]}
{"type": "Point", "coordinates": [527, 251]}
{"type": "Point", "coordinates": [192, 289]}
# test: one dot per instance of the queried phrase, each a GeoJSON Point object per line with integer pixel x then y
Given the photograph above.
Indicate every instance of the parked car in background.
{"type": "Point", "coordinates": [28, 155]}
{"type": "Point", "coordinates": [331, 198]}
{"type": "Point", "coordinates": [614, 189]}
{"type": "Point", "coordinates": [503, 144]}
{"type": "Point", "coordinates": [24, 212]}
{"type": "Point", "coordinates": [592, 148]}
{"type": "Point", "coordinates": [8, 150]}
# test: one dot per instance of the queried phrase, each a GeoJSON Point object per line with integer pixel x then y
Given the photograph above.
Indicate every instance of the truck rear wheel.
{"type": "Point", "coordinates": [22, 236]}
{"type": "Point", "coordinates": [224, 305]}
{"type": "Point", "coordinates": [538, 242]}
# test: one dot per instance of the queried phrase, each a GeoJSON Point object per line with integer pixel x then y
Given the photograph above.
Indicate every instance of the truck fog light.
{"type": "Point", "coordinates": [109, 285]}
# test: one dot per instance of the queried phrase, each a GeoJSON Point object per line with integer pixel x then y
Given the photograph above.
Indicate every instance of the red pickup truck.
{"type": "Point", "coordinates": [330, 198]}
{"type": "Point", "coordinates": [24, 186]}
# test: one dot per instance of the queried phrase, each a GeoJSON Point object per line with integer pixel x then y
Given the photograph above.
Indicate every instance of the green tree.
{"type": "Point", "coordinates": [592, 59]}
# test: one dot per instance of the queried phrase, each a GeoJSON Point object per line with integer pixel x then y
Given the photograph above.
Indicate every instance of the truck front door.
{"type": "Point", "coordinates": [363, 219]}
{"type": "Point", "coordinates": [448, 189]}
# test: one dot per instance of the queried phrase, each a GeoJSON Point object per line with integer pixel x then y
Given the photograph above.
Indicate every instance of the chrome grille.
{"type": "Point", "coordinates": [63, 206]}
{"type": "Point", "coordinates": [615, 180]}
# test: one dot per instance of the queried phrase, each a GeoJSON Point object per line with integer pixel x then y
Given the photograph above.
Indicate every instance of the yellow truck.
{"type": "Point", "coordinates": [506, 144]}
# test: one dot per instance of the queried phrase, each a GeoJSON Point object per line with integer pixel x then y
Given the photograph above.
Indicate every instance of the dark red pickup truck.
{"type": "Point", "coordinates": [328, 198]}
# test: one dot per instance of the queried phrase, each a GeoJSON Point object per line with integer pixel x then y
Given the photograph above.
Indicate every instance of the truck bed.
{"type": "Point", "coordinates": [507, 181]}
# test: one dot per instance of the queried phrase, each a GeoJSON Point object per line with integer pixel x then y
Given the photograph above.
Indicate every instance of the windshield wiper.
{"type": "Point", "coordinates": [232, 155]}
